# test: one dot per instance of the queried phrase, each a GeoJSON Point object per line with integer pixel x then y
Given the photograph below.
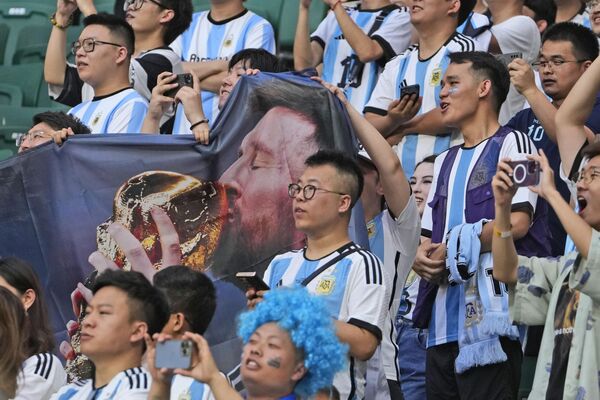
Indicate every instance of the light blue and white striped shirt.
{"type": "Point", "coordinates": [120, 112]}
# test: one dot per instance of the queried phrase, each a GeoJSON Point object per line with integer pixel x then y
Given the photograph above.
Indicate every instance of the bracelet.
{"type": "Point", "coordinates": [335, 5]}
{"type": "Point", "coordinates": [202, 121]}
{"type": "Point", "coordinates": [502, 234]}
{"type": "Point", "coordinates": [55, 23]}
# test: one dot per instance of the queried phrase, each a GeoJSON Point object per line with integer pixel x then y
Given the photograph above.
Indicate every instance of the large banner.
{"type": "Point", "coordinates": [227, 200]}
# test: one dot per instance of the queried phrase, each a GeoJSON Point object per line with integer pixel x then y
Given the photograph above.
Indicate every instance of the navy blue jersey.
{"type": "Point", "coordinates": [525, 121]}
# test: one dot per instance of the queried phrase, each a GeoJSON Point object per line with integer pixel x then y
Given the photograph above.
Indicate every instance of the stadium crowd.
{"type": "Point", "coordinates": [478, 175]}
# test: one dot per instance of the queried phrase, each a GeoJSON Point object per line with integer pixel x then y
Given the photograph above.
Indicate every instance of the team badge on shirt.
{"type": "Point", "coordinates": [325, 285]}
{"type": "Point", "coordinates": [96, 119]}
{"type": "Point", "coordinates": [436, 77]}
{"type": "Point", "coordinates": [228, 41]}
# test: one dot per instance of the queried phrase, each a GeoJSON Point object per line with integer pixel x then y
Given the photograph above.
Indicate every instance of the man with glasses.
{"type": "Point", "coordinates": [156, 23]}
{"type": "Point", "coordinates": [50, 125]}
{"type": "Point", "coordinates": [350, 279]}
{"type": "Point", "coordinates": [567, 51]}
{"type": "Point", "coordinates": [102, 56]}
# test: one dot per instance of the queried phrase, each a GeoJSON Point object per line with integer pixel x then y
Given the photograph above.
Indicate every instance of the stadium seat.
{"type": "Point", "coordinates": [27, 77]}
{"type": "Point", "coordinates": [10, 95]}
{"type": "Point", "coordinates": [4, 32]}
{"type": "Point", "coordinates": [19, 17]}
{"type": "Point", "coordinates": [288, 22]}
{"type": "Point", "coordinates": [107, 6]}
{"type": "Point", "coordinates": [31, 44]}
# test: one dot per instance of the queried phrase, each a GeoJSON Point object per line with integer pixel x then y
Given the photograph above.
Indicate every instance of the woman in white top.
{"type": "Point", "coordinates": [41, 373]}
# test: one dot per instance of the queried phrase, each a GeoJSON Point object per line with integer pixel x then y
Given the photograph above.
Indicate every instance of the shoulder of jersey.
{"type": "Point", "coordinates": [138, 378]}
{"type": "Point", "coordinates": [42, 364]}
{"type": "Point", "coordinates": [524, 144]}
{"type": "Point", "coordinates": [405, 53]}
{"type": "Point", "coordinates": [371, 264]}
{"type": "Point", "coordinates": [460, 42]}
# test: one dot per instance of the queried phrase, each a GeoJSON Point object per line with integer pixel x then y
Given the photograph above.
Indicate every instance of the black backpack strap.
{"type": "Point", "coordinates": [344, 253]}
{"type": "Point", "coordinates": [380, 18]}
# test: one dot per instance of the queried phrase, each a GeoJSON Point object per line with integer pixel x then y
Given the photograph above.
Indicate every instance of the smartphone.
{"type": "Point", "coordinates": [408, 90]}
{"type": "Point", "coordinates": [174, 354]}
{"type": "Point", "coordinates": [181, 81]}
{"type": "Point", "coordinates": [525, 172]}
{"type": "Point", "coordinates": [252, 281]}
{"type": "Point", "coordinates": [507, 58]}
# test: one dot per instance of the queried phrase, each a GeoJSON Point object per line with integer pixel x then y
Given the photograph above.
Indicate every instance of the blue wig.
{"type": "Point", "coordinates": [311, 330]}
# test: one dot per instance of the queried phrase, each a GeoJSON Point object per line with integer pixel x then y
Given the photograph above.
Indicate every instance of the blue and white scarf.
{"type": "Point", "coordinates": [483, 309]}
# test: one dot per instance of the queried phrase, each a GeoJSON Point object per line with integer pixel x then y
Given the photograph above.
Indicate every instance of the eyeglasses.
{"type": "Point", "coordinates": [308, 191]}
{"type": "Point", "coordinates": [587, 176]}
{"type": "Point", "coordinates": [32, 136]}
{"type": "Point", "coordinates": [89, 45]}
{"type": "Point", "coordinates": [137, 4]}
{"type": "Point", "coordinates": [554, 63]}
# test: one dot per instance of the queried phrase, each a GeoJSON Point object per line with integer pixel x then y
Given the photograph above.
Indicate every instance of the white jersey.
{"type": "Point", "coordinates": [582, 17]}
{"type": "Point", "coordinates": [42, 376]}
{"type": "Point", "coordinates": [354, 292]}
{"type": "Point", "coordinates": [517, 34]}
{"type": "Point", "coordinates": [120, 112]}
{"type": "Point", "coordinates": [341, 65]}
{"type": "Point", "coordinates": [183, 387]}
{"type": "Point", "coordinates": [408, 69]}
{"type": "Point", "coordinates": [131, 384]}
{"type": "Point", "coordinates": [209, 40]}
{"type": "Point", "coordinates": [395, 242]}
{"type": "Point", "coordinates": [443, 326]}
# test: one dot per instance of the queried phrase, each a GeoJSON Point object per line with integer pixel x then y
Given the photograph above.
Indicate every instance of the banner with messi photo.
{"type": "Point", "coordinates": [228, 200]}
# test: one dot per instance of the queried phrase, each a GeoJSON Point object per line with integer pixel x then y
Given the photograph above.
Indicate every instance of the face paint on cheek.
{"type": "Point", "coordinates": [274, 362]}
{"type": "Point", "coordinates": [453, 90]}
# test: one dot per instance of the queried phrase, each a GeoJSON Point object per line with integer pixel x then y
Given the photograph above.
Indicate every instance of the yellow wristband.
{"type": "Point", "coordinates": [502, 234]}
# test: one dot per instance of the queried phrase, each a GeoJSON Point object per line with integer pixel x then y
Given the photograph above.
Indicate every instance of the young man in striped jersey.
{"type": "Point", "coordinates": [155, 23]}
{"type": "Point", "coordinates": [125, 308]}
{"type": "Point", "coordinates": [349, 278]}
{"type": "Point", "coordinates": [207, 45]}
{"type": "Point", "coordinates": [352, 44]}
{"type": "Point", "coordinates": [424, 64]}
{"type": "Point", "coordinates": [102, 55]}
{"type": "Point", "coordinates": [472, 349]}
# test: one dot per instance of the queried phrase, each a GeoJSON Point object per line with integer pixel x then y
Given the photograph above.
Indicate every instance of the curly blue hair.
{"type": "Point", "coordinates": [311, 330]}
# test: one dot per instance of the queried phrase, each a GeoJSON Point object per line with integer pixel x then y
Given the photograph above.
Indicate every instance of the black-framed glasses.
{"type": "Point", "coordinates": [88, 45]}
{"type": "Point", "coordinates": [587, 176]}
{"type": "Point", "coordinates": [137, 4]}
{"type": "Point", "coordinates": [553, 62]}
{"type": "Point", "coordinates": [308, 191]}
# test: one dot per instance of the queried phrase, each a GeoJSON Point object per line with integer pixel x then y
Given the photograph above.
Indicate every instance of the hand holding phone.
{"type": "Point", "coordinates": [507, 58]}
{"type": "Point", "coordinates": [174, 353]}
{"type": "Point", "coordinates": [525, 172]}
{"type": "Point", "coordinates": [251, 280]}
{"type": "Point", "coordinates": [410, 90]}
{"type": "Point", "coordinates": [182, 80]}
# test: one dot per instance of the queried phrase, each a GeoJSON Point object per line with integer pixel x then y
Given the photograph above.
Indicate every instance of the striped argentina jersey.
{"type": "Point", "coordinates": [183, 387]}
{"type": "Point", "coordinates": [209, 40]}
{"type": "Point", "coordinates": [408, 69]}
{"type": "Point", "coordinates": [131, 384]}
{"type": "Point", "coordinates": [41, 376]}
{"type": "Point", "coordinates": [341, 65]}
{"type": "Point", "coordinates": [120, 112]}
{"type": "Point", "coordinates": [443, 326]}
{"type": "Point", "coordinates": [395, 242]}
{"type": "Point", "coordinates": [354, 292]}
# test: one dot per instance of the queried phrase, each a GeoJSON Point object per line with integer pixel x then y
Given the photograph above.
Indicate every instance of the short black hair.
{"type": "Point", "coordinates": [117, 26]}
{"type": "Point", "coordinates": [59, 119]}
{"type": "Point", "coordinates": [429, 159]}
{"type": "Point", "coordinates": [146, 303]}
{"type": "Point", "coordinates": [486, 66]}
{"type": "Point", "coordinates": [189, 292]}
{"type": "Point", "coordinates": [542, 10]}
{"type": "Point", "coordinates": [183, 10]}
{"type": "Point", "coordinates": [466, 7]}
{"type": "Point", "coordinates": [345, 166]}
{"type": "Point", "coordinates": [591, 150]}
{"type": "Point", "coordinates": [256, 59]}
{"type": "Point", "coordinates": [583, 40]}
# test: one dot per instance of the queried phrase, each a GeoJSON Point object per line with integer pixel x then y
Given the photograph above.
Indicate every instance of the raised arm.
{"type": "Point", "coordinates": [307, 54]}
{"type": "Point", "coordinates": [571, 133]}
{"type": "Point", "coordinates": [55, 62]}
